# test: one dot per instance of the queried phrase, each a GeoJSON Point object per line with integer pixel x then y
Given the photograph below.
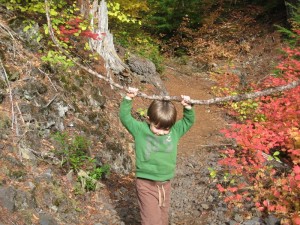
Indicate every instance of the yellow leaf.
{"type": "Point", "coordinates": [295, 135]}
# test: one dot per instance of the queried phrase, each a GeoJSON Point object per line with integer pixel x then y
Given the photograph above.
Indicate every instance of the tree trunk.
{"type": "Point", "coordinates": [104, 46]}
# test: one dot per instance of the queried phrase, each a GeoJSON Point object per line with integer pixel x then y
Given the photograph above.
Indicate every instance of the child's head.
{"type": "Point", "coordinates": [162, 114]}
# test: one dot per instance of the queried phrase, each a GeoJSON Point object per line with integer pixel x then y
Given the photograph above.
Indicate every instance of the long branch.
{"type": "Point", "coordinates": [218, 100]}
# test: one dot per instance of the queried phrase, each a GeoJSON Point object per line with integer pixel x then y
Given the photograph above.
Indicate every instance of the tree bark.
{"type": "Point", "coordinates": [104, 46]}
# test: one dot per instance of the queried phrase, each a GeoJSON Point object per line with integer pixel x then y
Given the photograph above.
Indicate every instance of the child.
{"type": "Point", "coordinates": [156, 151]}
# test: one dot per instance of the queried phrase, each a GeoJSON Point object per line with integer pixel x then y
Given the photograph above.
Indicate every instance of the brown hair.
{"type": "Point", "coordinates": [162, 114]}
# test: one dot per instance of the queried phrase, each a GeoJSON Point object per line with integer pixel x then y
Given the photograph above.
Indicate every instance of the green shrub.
{"type": "Point", "coordinates": [73, 153]}
{"type": "Point", "coordinates": [291, 34]}
{"type": "Point", "coordinates": [89, 180]}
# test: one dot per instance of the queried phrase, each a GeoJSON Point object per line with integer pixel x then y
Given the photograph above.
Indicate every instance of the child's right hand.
{"type": "Point", "coordinates": [132, 92]}
{"type": "Point", "coordinates": [186, 101]}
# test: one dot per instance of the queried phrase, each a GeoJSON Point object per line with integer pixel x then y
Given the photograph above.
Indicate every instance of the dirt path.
{"type": "Point", "coordinates": [195, 199]}
{"type": "Point", "coordinates": [209, 119]}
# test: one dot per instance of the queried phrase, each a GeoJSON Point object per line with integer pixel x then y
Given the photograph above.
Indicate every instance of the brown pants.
{"type": "Point", "coordinates": [154, 201]}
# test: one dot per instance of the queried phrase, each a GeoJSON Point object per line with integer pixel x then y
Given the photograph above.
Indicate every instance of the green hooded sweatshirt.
{"type": "Point", "coordinates": [155, 155]}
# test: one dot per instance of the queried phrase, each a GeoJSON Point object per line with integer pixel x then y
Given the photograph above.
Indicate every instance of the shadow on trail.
{"type": "Point", "coordinates": [122, 192]}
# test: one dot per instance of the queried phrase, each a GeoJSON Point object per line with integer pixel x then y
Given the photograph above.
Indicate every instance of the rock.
{"type": "Point", "coordinates": [4, 121]}
{"type": "Point", "coordinates": [46, 219]}
{"type": "Point", "coordinates": [30, 185]}
{"type": "Point", "coordinates": [31, 89]}
{"type": "Point", "coordinates": [48, 174]}
{"type": "Point", "coordinates": [233, 222]}
{"type": "Point", "coordinates": [24, 200]}
{"type": "Point", "coordinates": [99, 99]}
{"type": "Point", "coordinates": [272, 220]}
{"type": "Point", "coordinates": [210, 198]}
{"type": "Point", "coordinates": [70, 175]}
{"type": "Point", "coordinates": [30, 36]}
{"type": "Point", "coordinates": [238, 218]}
{"type": "Point", "coordinates": [205, 206]}
{"type": "Point", "coordinates": [26, 153]}
{"type": "Point", "coordinates": [2, 79]}
{"type": "Point", "coordinates": [253, 221]}
{"type": "Point", "coordinates": [14, 76]}
{"type": "Point", "coordinates": [141, 66]}
{"type": "Point", "coordinates": [62, 109]}
{"type": "Point", "coordinates": [7, 197]}
{"type": "Point", "coordinates": [145, 70]}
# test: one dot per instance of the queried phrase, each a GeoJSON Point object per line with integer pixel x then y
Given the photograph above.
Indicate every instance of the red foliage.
{"type": "Point", "coordinates": [73, 27]}
{"type": "Point", "coordinates": [272, 188]}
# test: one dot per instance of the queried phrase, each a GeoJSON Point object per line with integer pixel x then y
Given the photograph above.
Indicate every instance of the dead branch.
{"type": "Point", "coordinates": [6, 30]}
{"type": "Point", "coordinates": [218, 100]}
{"type": "Point", "coordinates": [21, 115]}
{"type": "Point", "coordinates": [48, 78]}
{"type": "Point", "coordinates": [50, 102]}
{"type": "Point", "coordinates": [10, 95]}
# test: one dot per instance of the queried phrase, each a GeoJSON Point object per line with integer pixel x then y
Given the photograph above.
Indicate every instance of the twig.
{"type": "Point", "coordinates": [20, 113]}
{"type": "Point", "coordinates": [38, 154]}
{"type": "Point", "coordinates": [2, 27]}
{"type": "Point", "coordinates": [50, 102]}
{"type": "Point", "coordinates": [48, 78]}
{"type": "Point", "coordinates": [234, 98]}
{"type": "Point", "coordinates": [17, 127]}
{"type": "Point", "coordinates": [10, 95]}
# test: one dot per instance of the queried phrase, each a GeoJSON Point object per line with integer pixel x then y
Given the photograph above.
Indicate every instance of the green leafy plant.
{"type": "Point", "coordinates": [142, 112]}
{"type": "Point", "coordinates": [246, 110]}
{"type": "Point", "coordinates": [95, 175]}
{"type": "Point", "coordinates": [242, 110]}
{"type": "Point", "coordinates": [29, 27]}
{"type": "Point", "coordinates": [55, 58]}
{"type": "Point", "coordinates": [165, 16]}
{"type": "Point", "coordinates": [99, 172]}
{"type": "Point", "coordinates": [149, 49]}
{"type": "Point", "coordinates": [292, 36]}
{"type": "Point", "coordinates": [212, 172]}
{"type": "Point", "coordinates": [73, 153]}
{"type": "Point", "coordinates": [116, 11]}
{"type": "Point", "coordinates": [89, 180]}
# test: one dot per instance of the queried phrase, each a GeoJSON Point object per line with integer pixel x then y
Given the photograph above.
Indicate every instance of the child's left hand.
{"type": "Point", "coordinates": [186, 101]}
{"type": "Point", "coordinates": [132, 92]}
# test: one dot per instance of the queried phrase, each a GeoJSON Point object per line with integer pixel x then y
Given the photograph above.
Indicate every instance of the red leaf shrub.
{"type": "Point", "coordinates": [268, 154]}
{"type": "Point", "coordinates": [76, 26]}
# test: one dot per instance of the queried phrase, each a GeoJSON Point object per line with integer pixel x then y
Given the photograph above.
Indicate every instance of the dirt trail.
{"type": "Point", "coordinates": [194, 197]}
{"type": "Point", "coordinates": [209, 119]}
